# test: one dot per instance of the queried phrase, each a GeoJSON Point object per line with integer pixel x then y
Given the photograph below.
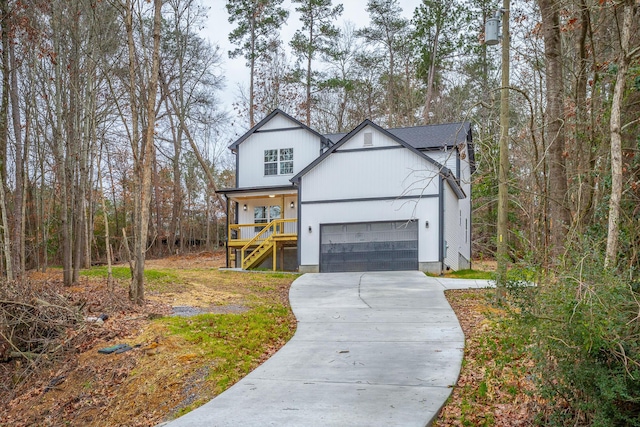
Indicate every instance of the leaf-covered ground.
{"type": "Point", "coordinates": [175, 365]}
{"type": "Point", "coordinates": [495, 385]}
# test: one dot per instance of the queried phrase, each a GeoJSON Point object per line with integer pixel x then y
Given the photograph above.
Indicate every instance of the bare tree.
{"type": "Point", "coordinates": [626, 56]}
{"type": "Point", "coordinates": [559, 216]}
{"type": "Point", "coordinates": [142, 143]}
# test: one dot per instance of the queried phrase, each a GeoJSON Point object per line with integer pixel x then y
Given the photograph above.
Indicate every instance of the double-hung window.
{"type": "Point", "coordinates": [278, 161]}
{"type": "Point", "coordinates": [265, 214]}
{"type": "Point", "coordinates": [286, 161]}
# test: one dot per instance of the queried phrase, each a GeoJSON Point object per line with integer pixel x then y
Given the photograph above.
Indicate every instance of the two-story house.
{"type": "Point", "coordinates": [373, 199]}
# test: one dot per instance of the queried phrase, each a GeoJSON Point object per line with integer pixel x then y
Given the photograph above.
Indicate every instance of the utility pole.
{"type": "Point", "coordinates": [502, 256]}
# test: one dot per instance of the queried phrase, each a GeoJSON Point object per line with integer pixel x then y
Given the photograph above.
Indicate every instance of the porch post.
{"type": "Point", "coordinates": [282, 216]}
{"type": "Point", "coordinates": [275, 251]}
{"type": "Point", "coordinates": [227, 239]}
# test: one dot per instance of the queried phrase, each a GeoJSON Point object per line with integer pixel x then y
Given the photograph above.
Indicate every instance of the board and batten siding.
{"type": "Point", "coordinates": [462, 238]}
{"type": "Point", "coordinates": [247, 217]}
{"type": "Point", "coordinates": [306, 148]}
{"type": "Point", "coordinates": [279, 122]}
{"type": "Point", "coordinates": [447, 158]}
{"type": "Point", "coordinates": [451, 228]}
{"type": "Point", "coordinates": [376, 139]}
{"type": "Point", "coordinates": [465, 206]}
{"type": "Point", "coordinates": [358, 183]}
{"type": "Point", "coordinates": [389, 172]}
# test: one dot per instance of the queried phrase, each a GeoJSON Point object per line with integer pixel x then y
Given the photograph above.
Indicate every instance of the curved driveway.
{"type": "Point", "coordinates": [370, 349]}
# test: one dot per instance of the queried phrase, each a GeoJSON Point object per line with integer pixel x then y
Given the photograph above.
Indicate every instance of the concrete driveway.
{"type": "Point", "coordinates": [370, 349]}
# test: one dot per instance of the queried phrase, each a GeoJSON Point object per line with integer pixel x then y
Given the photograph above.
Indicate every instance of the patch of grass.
{"type": "Point", "coordinates": [237, 343]}
{"type": "Point", "coordinates": [155, 280]}
{"type": "Point", "coordinates": [120, 273]}
{"type": "Point", "coordinates": [284, 275]}
{"type": "Point", "coordinates": [472, 274]}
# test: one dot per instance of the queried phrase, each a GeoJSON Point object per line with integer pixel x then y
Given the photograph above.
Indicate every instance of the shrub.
{"type": "Point", "coordinates": [585, 324]}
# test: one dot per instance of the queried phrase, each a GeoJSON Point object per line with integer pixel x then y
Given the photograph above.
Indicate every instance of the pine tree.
{"type": "Point", "coordinates": [257, 27]}
{"type": "Point", "coordinates": [317, 35]}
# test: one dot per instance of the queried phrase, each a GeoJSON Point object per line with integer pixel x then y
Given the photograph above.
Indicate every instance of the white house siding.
{"type": "Point", "coordinates": [378, 139]}
{"type": "Point", "coordinates": [425, 209]}
{"type": "Point", "coordinates": [306, 148]}
{"type": "Point", "coordinates": [447, 158]}
{"type": "Point", "coordinates": [247, 217]}
{"type": "Point", "coordinates": [452, 234]}
{"type": "Point", "coordinates": [393, 172]}
{"type": "Point", "coordinates": [465, 182]}
{"type": "Point", "coordinates": [337, 189]}
{"type": "Point", "coordinates": [463, 213]}
{"type": "Point", "coordinates": [279, 122]}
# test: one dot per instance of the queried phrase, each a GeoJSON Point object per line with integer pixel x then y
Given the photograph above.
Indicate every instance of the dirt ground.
{"type": "Point", "coordinates": [155, 380]}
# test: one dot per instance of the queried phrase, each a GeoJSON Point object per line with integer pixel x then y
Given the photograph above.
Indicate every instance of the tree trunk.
{"type": "Point", "coordinates": [145, 166]}
{"type": "Point", "coordinates": [252, 71]}
{"type": "Point", "coordinates": [61, 146]}
{"type": "Point", "coordinates": [432, 72]}
{"type": "Point", "coordinates": [6, 243]}
{"type": "Point", "coordinates": [559, 216]}
{"type": "Point", "coordinates": [135, 139]}
{"type": "Point", "coordinates": [616, 137]}
{"type": "Point", "coordinates": [584, 198]}
{"type": "Point", "coordinates": [18, 197]}
{"type": "Point", "coordinates": [107, 240]}
{"type": "Point", "coordinates": [4, 135]}
{"type": "Point", "coordinates": [308, 83]}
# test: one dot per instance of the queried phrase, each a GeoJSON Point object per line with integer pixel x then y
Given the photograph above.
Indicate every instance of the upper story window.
{"type": "Point", "coordinates": [278, 162]}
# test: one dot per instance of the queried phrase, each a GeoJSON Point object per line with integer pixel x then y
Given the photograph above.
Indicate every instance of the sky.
{"type": "Point", "coordinates": [218, 28]}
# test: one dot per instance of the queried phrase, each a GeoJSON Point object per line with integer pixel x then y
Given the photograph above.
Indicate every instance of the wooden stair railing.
{"type": "Point", "coordinates": [266, 241]}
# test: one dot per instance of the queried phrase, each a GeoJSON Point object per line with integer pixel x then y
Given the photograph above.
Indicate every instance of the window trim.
{"type": "Point", "coordinates": [283, 158]}
{"type": "Point", "coordinates": [267, 210]}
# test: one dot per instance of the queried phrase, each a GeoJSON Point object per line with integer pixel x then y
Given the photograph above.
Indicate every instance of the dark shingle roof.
{"type": "Point", "coordinates": [335, 137]}
{"type": "Point", "coordinates": [434, 136]}
{"type": "Point", "coordinates": [425, 137]}
{"type": "Point", "coordinates": [429, 137]}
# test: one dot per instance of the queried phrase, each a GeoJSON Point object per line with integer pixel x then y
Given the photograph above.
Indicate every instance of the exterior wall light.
{"type": "Point", "coordinates": [426, 224]}
{"type": "Point", "coordinates": [292, 205]}
{"type": "Point", "coordinates": [244, 207]}
{"type": "Point", "coordinates": [309, 229]}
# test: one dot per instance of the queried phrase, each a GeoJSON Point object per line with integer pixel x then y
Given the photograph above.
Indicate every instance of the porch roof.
{"type": "Point", "coordinates": [258, 191]}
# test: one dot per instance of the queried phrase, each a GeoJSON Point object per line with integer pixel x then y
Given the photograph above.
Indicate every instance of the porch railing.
{"type": "Point", "coordinates": [265, 242]}
{"type": "Point", "coordinates": [248, 232]}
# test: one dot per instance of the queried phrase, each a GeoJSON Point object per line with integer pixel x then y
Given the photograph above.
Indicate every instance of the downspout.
{"type": "Point", "coordinates": [441, 223]}
{"type": "Point", "coordinates": [299, 226]}
{"type": "Point", "coordinates": [236, 216]}
{"type": "Point", "coordinates": [469, 145]}
{"type": "Point", "coordinates": [237, 153]}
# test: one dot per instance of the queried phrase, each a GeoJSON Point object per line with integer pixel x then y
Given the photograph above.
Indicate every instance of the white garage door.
{"type": "Point", "coordinates": [369, 246]}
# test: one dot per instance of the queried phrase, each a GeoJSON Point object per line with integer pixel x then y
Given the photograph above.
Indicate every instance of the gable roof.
{"type": "Point", "coordinates": [256, 128]}
{"type": "Point", "coordinates": [430, 137]}
{"type": "Point", "coordinates": [444, 171]}
{"type": "Point", "coordinates": [427, 136]}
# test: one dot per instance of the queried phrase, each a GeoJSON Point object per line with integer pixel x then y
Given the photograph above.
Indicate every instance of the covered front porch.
{"type": "Point", "coordinates": [262, 229]}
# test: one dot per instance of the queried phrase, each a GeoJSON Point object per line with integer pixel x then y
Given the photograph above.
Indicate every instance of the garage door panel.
{"type": "Point", "coordinates": [380, 246]}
